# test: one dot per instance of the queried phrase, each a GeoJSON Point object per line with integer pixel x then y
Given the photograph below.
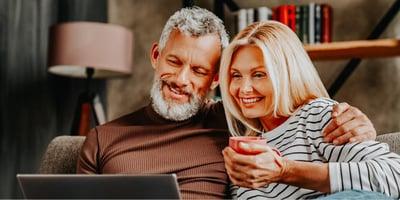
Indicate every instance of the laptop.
{"type": "Point", "coordinates": [72, 186]}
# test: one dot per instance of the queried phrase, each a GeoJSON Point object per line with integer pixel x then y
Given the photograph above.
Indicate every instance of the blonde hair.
{"type": "Point", "coordinates": [294, 78]}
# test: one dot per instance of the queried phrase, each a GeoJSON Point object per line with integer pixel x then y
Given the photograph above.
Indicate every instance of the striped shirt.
{"type": "Point", "coordinates": [366, 166]}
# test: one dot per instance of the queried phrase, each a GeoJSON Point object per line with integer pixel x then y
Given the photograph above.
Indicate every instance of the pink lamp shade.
{"type": "Point", "coordinates": [106, 48]}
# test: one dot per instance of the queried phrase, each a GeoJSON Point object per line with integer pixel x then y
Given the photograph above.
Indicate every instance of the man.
{"type": "Point", "coordinates": [181, 131]}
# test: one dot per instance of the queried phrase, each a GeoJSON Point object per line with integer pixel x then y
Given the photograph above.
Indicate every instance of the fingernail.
{"type": "Point", "coordinates": [335, 142]}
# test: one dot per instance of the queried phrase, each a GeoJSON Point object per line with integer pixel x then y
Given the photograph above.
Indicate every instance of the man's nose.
{"type": "Point", "coordinates": [183, 76]}
{"type": "Point", "coordinates": [247, 86]}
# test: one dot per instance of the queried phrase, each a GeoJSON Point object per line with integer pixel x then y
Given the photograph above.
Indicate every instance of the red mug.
{"type": "Point", "coordinates": [235, 141]}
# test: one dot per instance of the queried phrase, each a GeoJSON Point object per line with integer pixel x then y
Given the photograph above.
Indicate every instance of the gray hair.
{"type": "Point", "coordinates": [194, 21]}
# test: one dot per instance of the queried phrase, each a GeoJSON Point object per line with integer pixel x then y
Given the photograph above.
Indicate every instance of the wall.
{"type": "Point", "coordinates": [35, 106]}
{"type": "Point", "coordinates": [374, 87]}
{"type": "Point", "coordinates": [145, 19]}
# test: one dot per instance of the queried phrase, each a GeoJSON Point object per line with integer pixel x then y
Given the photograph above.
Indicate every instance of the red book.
{"type": "Point", "coordinates": [275, 14]}
{"type": "Point", "coordinates": [291, 10]}
{"type": "Point", "coordinates": [286, 14]}
{"type": "Point", "coordinates": [326, 23]}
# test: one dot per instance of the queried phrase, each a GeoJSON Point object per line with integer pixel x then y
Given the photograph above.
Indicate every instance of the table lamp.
{"type": "Point", "coordinates": [89, 50]}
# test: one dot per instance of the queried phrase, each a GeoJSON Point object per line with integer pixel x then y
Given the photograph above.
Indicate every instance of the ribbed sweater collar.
{"type": "Point", "coordinates": [153, 115]}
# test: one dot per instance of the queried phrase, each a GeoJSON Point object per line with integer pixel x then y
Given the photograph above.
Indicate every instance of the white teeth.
{"type": "Point", "coordinates": [250, 100]}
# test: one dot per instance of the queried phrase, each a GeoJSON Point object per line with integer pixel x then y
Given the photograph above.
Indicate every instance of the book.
{"type": "Point", "coordinates": [299, 28]}
{"type": "Point", "coordinates": [318, 23]}
{"type": "Point", "coordinates": [286, 14]}
{"type": "Point", "coordinates": [304, 23]}
{"type": "Point", "coordinates": [291, 10]}
{"type": "Point", "coordinates": [263, 14]}
{"type": "Point", "coordinates": [326, 31]}
{"type": "Point", "coordinates": [240, 20]}
{"type": "Point", "coordinates": [250, 16]}
{"type": "Point", "coordinates": [311, 23]}
{"type": "Point", "coordinates": [275, 13]}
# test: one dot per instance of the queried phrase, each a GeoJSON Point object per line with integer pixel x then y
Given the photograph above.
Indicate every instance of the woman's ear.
{"type": "Point", "coordinates": [215, 82]}
{"type": "Point", "coordinates": [154, 55]}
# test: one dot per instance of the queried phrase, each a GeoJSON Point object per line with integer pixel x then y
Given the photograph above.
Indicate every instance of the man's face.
{"type": "Point", "coordinates": [185, 69]}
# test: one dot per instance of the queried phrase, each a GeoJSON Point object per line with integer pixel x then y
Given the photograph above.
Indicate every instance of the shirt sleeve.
{"type": "Point", "coordinates": [233, 189]}
{"type": "Point", "coordinates": [364, 166]}
{"type": "Point", "coordinates": [88, 157]}
{"type": "Point", "coordinates": [368, 166]}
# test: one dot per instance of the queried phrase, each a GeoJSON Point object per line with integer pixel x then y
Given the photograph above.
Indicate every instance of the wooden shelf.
{"type": "Point", "coordinates": [354, 49]}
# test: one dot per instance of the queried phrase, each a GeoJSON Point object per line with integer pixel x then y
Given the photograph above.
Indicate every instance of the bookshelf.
{"type": "Point", "coordinates": [354, 49]}
{"type": "Point", "coordinates": [372, 47]}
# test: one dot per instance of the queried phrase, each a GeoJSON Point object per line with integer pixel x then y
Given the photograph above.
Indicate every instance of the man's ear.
{"type": "Point", "coordinates": [154, 55]}
{"type": "Point", "coordinates": [215, 81]}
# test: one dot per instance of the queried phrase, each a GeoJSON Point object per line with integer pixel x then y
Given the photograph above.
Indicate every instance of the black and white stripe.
{"type": "Point", "coordinates": [366, 166]}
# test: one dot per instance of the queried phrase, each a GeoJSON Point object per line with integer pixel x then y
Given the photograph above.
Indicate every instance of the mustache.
{"type": "Point", "coordinates": [173, 85]}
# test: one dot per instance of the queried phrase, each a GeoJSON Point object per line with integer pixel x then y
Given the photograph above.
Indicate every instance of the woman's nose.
{"type": "Point", "coordinates": [247, 86]}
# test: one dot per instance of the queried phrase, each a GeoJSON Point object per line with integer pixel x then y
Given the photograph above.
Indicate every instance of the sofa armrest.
{"type": "Point", "coordinates": [393, 139]}
{"type": "Point", "coordinates": [61, 155]}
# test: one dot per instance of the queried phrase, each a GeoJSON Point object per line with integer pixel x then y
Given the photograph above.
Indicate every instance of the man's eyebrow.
{"type": "Point", "coordinates": [203, 67]}
{"type": "Point", "coordinates": [173, 56]}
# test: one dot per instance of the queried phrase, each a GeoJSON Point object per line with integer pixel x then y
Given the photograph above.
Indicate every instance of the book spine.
{"type": "Point", "coordinates": [275, 13]}
{"type": "Point", "coordinates": [305, 22]}
{"type": "Point", "coordinates": [318, 23]}
{"type": "Point", "coordinates": [299, 30]}
{"type": "Point", "coordinates": [269, 13]}
{"type": "Point", "coordinates": [281, 14]}
{"type": "Point", "coordinates": [264, 13]}
{"type": "Point", "coordinates": [326, 23]}
{"type": "Point", "coordinates": [241, 20]}
{"type": "Point", "coordinates": [311, 23]}
{"type": "Point", "coordinates": [250, 16]}
{"type": "Point", "coordinates": [291, 13]}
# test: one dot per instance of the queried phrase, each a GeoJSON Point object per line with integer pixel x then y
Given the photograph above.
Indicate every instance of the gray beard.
{"type": "Point", "coordinates": [170, 110]}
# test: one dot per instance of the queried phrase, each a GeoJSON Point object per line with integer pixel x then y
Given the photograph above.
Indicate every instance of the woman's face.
{"type": "Point", "coordinates": [250, 85]}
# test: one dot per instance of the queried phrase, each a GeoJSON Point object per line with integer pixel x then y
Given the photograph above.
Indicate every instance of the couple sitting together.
{"type": "Point", "coordinates": [270, 89]}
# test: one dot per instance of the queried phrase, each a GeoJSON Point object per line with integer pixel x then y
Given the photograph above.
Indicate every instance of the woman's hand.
{"type": "Point", "coordinates": [254, 171]}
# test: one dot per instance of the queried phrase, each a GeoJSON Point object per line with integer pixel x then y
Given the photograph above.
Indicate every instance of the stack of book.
{"type": "Point", "coordinates": [311, 22]}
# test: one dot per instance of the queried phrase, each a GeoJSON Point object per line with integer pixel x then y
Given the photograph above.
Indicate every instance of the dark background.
{"type": "Point", "coordinates": [35, 106]}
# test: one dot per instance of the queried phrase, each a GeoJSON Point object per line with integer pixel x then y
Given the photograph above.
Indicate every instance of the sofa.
{"type": "Point", "coordinates": [63, 151]}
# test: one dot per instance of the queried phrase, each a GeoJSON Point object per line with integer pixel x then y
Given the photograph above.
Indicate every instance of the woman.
{"type": "Point", "coordinates": [271, 88]}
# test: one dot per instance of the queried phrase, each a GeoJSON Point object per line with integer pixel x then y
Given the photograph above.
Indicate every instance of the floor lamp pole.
{"type": "Point", "coordinates": [85, 116]}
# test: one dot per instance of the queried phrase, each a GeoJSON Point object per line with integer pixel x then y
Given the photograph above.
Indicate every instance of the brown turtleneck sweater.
{"type": "Point", "coordinates": [143, 143]}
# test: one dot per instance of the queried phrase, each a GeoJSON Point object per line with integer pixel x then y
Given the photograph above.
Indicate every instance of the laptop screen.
{"type": "Point", "coordinates": [50, 186]}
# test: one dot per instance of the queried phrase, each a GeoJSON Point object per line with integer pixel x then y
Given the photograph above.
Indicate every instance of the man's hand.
{"type": "Point", "coordinates": [348, 124]}
{"type": "Point", "coordinates": [253, 171]}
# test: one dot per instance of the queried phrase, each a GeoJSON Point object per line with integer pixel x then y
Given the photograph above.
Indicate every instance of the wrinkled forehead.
{"type": "Point", "coordinates": [204, 49]}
